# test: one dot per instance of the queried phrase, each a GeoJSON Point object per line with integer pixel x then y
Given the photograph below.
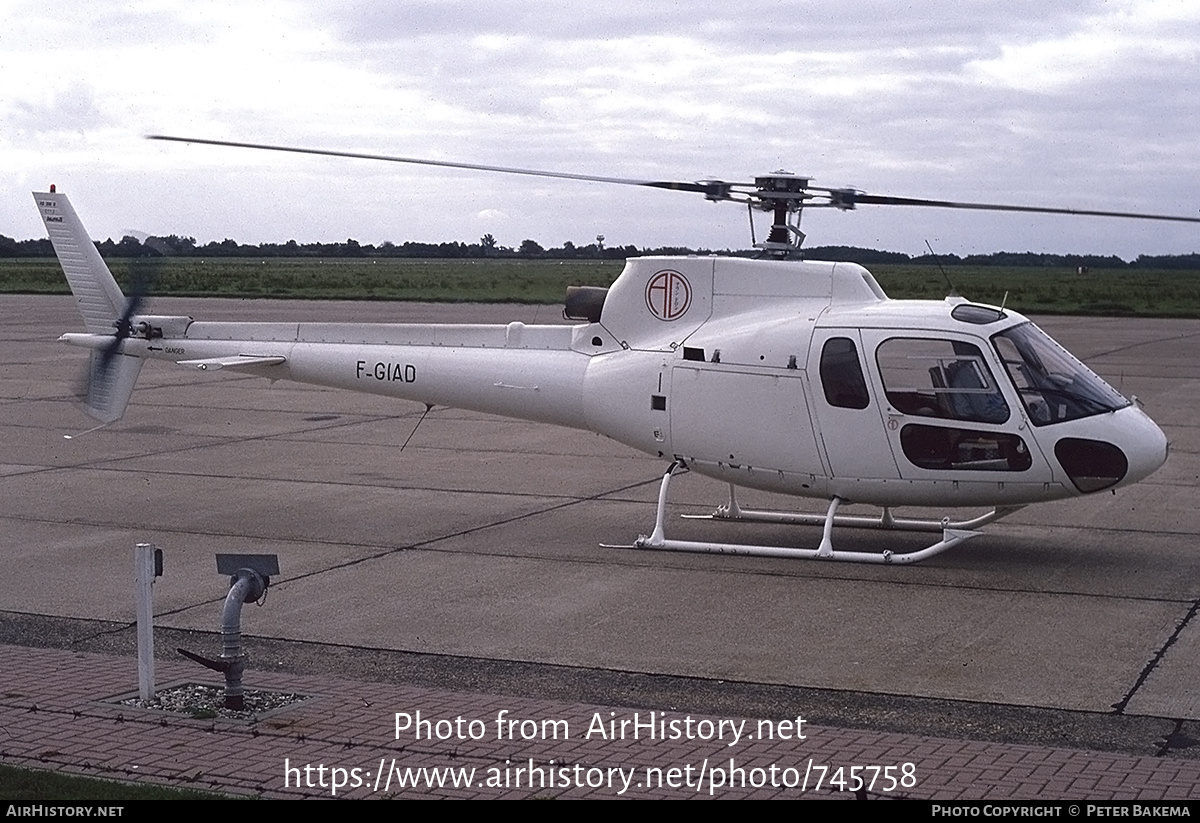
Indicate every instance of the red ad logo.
{"type": "Point", "coordinates": [668, 295]}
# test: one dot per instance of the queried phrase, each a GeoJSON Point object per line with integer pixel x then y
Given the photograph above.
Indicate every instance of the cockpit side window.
{"type": "Point", "coordinates": [940, 378]}
{"type": "Point", "coordinates": [842, 374]}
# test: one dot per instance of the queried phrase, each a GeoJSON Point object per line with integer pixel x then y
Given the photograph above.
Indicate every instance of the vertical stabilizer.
{"type": "Point", "coordinates": [111, 374]}
{"type": "Point", "coordinates": [99, 297]}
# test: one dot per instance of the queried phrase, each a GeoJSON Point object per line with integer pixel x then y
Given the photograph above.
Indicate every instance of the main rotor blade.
{"type": "Point", "coordinates": [708, 187]}
{"type": "Point", "coordinates": [712, 189]}
{"type": "Point", "coordinates": [852, 199]}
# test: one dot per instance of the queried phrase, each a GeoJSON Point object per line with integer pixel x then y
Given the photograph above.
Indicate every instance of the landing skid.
{"type": "Point", "coordinates": [953, 533]}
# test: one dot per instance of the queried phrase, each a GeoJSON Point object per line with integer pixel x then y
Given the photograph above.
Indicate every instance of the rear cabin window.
{"type": "Point", "coordinates": [940, 378]}
{"type": "Point", "coordinates": [842, 375]}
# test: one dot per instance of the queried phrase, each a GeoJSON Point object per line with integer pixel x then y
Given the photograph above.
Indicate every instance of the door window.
{"type": "Point", "coordinates": [940, 378]}
{"type": "Point", "coordinates": [942, 447]}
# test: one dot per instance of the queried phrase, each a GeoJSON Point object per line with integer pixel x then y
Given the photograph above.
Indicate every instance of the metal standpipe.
{"type": "Point", "coordinates": [248, 586]}
{"type": "Point", "coordinates": [250, 577]}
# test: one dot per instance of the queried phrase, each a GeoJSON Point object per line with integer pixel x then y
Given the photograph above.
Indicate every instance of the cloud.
{"type": "Point", "coordinates": [1076, 103]}
{"type": "Point", "coordinates": [71, 109]}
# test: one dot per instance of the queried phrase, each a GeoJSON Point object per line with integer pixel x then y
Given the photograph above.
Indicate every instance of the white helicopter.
{"type": "Point", "coordinates": [788, 376]}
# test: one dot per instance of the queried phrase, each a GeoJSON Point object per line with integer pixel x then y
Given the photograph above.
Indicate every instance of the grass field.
{"type": "Point", "coordinates": [40, 786]}
{"type": "Point", "coordinates": [366, 279]}
{"type": "Point", "coordinates": [1145, 293]}
{"type": "Point", "coordinates": [1109, 292]}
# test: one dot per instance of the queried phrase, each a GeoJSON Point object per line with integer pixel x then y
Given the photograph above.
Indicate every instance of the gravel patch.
{"type": "Point", "coordinates": [202, 702]}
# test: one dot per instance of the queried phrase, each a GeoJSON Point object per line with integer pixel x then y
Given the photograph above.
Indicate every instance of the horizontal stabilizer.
{"type": "Point", "coordinates": [236, 361]}
{"type": "Point", "coordinates": [110, 384]}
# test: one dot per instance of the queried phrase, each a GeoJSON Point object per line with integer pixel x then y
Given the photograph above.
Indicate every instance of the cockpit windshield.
{"type": "Point", "coordinates": [1053, 385]}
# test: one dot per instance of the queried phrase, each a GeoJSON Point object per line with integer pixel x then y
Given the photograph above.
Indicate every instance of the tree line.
{"type": "Point", "coordinates": [487, 247]}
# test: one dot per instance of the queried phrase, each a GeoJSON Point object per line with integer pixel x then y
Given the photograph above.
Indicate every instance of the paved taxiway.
{"type": "Point", "coordinates": [481, 538]}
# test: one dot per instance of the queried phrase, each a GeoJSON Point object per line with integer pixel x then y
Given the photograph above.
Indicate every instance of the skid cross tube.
{"type": "Point", "coordinates": [952, 533]}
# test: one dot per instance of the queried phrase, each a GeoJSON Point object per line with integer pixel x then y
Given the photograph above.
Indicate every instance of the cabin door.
{"type": "Point", "coordinates": [850, 426]}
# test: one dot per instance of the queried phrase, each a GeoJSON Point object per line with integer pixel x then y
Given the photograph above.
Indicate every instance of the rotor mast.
{"type": "Point", "coordinates": [783, 194]}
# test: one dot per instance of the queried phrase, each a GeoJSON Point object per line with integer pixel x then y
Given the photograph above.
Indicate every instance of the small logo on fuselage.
{"type": "Point", "coordinates": [668, 295]}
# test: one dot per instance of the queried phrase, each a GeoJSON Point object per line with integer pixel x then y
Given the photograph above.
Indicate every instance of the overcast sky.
{"type": "Point", "coordinates": [1088, 104]}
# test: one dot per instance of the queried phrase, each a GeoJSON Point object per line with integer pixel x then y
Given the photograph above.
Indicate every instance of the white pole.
{"type": "Point", "coordinates": [143, 577]}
